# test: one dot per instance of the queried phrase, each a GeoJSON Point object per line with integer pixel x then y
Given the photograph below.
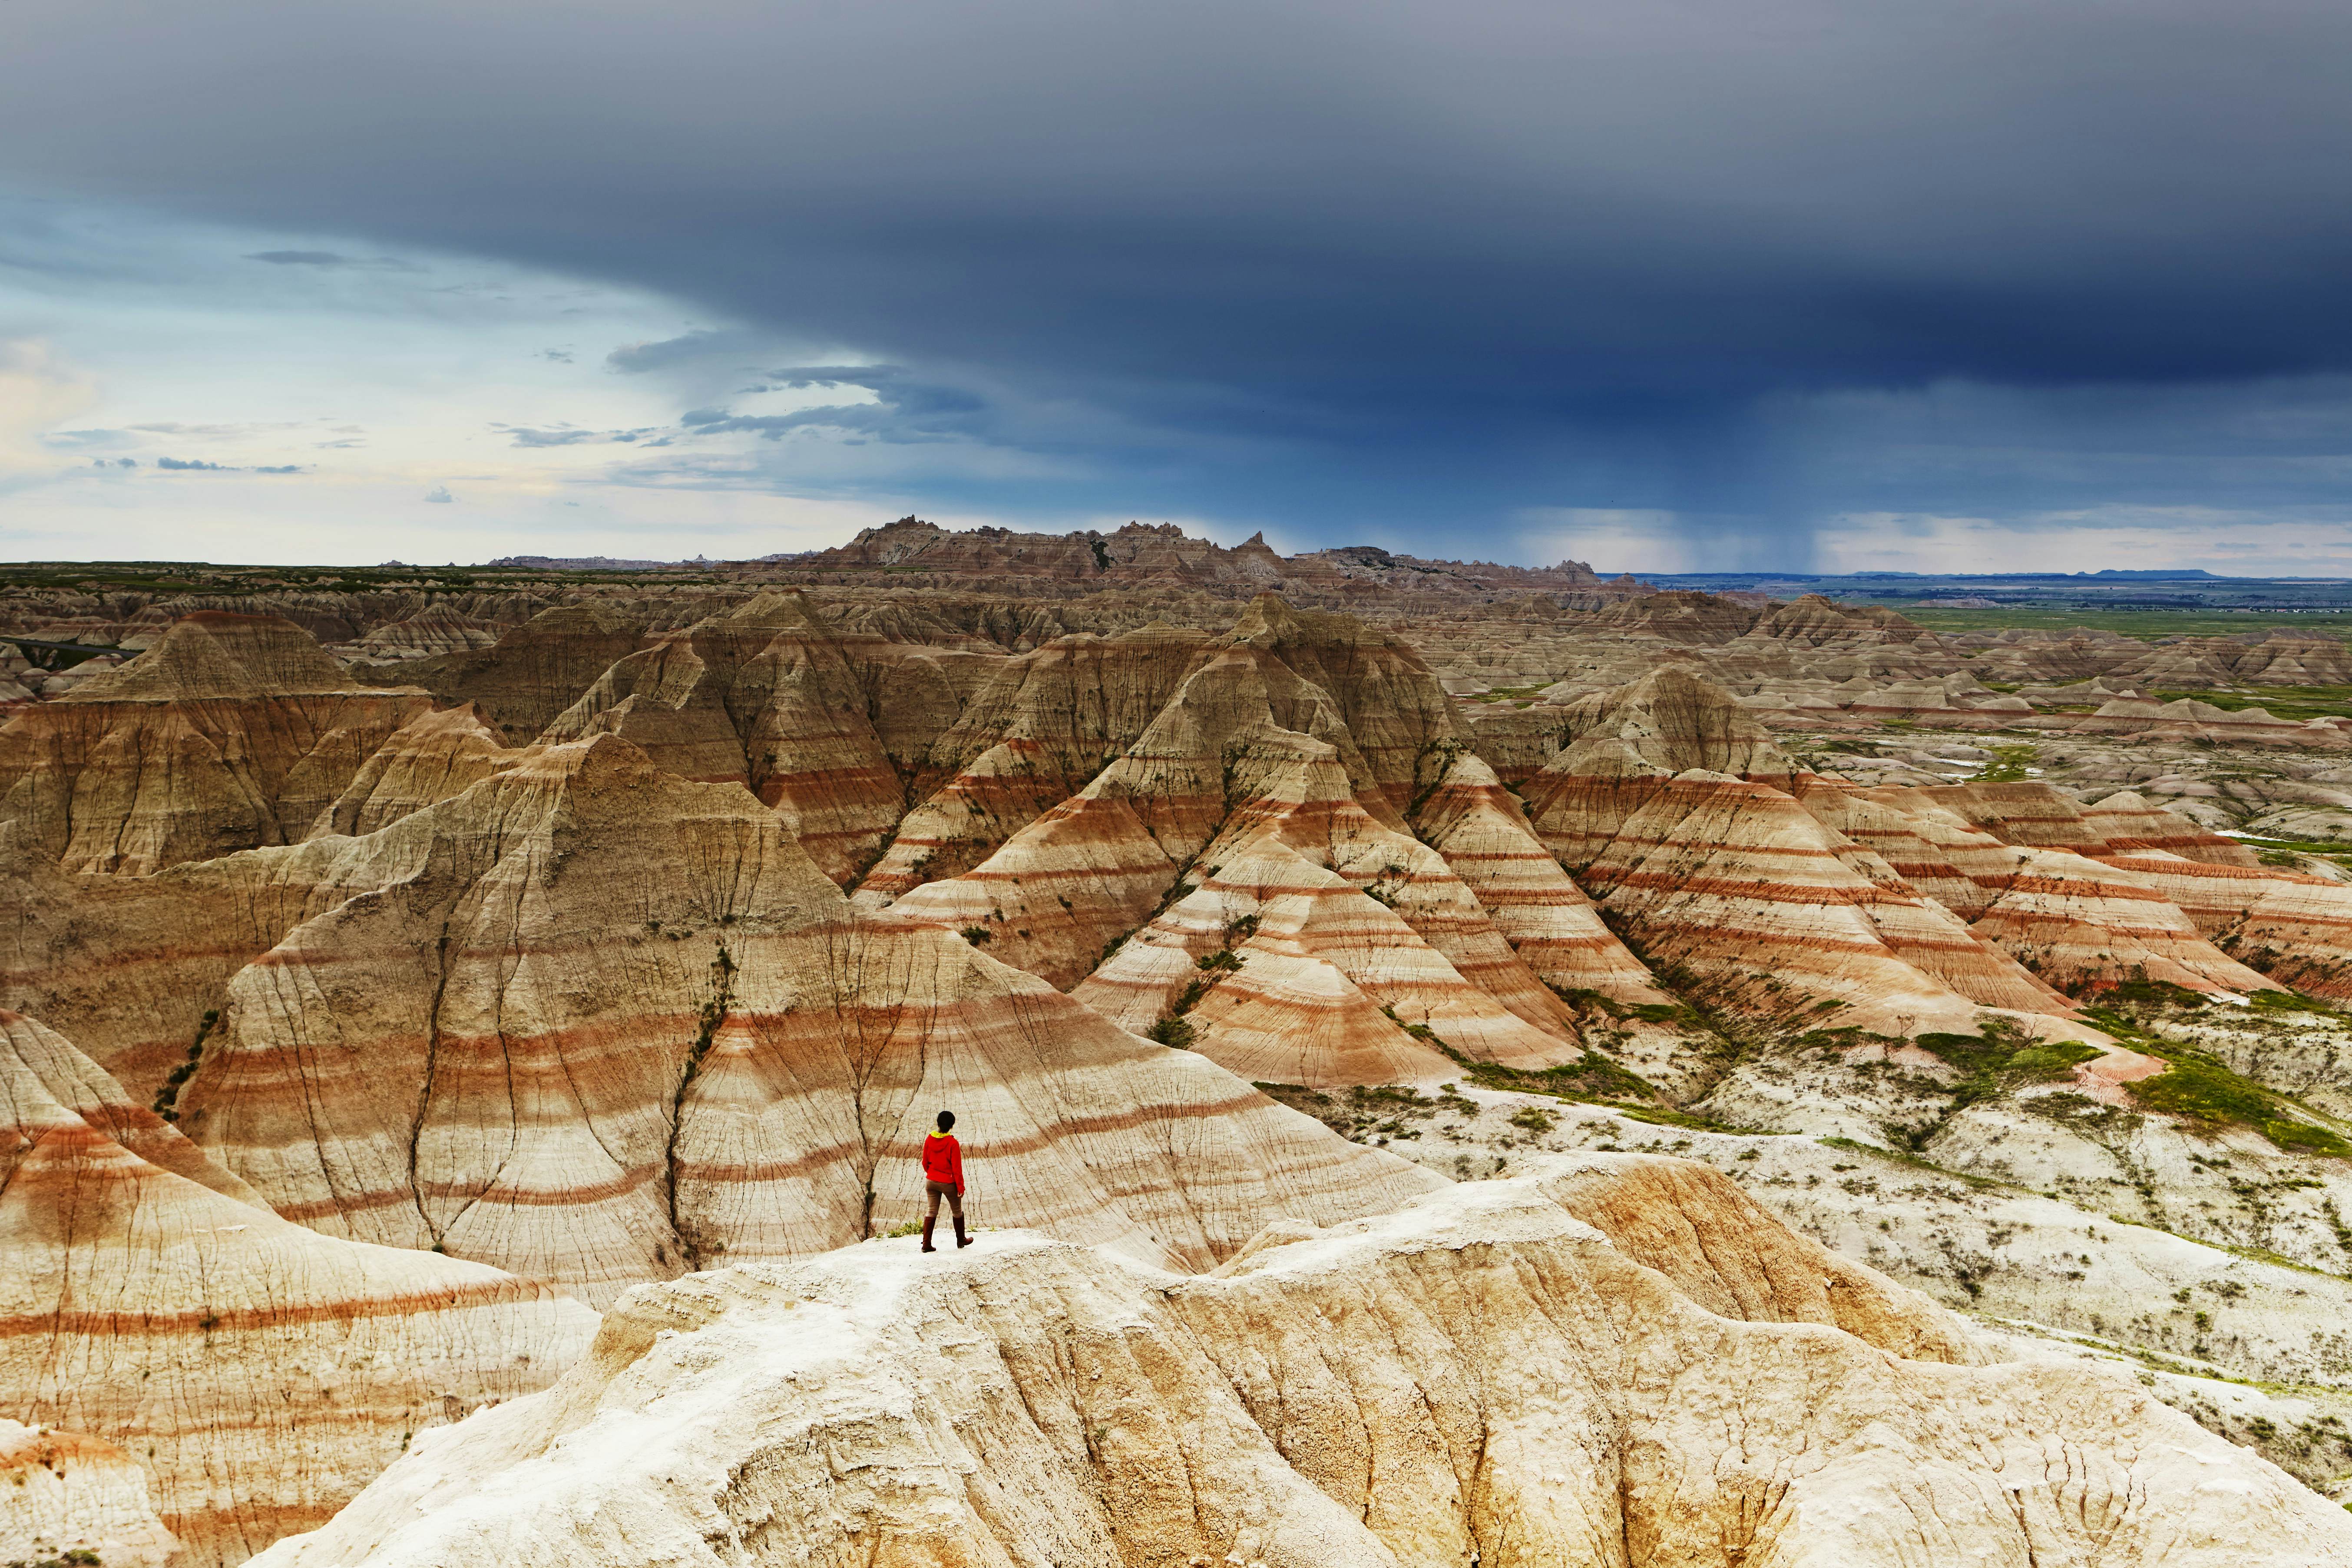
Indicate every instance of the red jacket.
{"type": "Point", "coordinates": [943, 1161]}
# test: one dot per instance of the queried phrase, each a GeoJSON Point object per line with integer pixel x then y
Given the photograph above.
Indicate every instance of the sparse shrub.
{"type": "Point", "coordinates": [979, 936]}
{"type": "Point", "coordinates": [1172, 1031]}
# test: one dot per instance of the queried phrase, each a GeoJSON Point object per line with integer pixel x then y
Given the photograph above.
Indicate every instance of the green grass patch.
{"type": "Point", "coordinates": [1593, 1080]}
{"type": "Point", "coordinates": [1368, 1110]}
{"type": "Point", "coordinates": [1593, 1077]}
{"type": "Point", "coordinates": [2333, 848]}
{"type": "Point", "coordinates": [2008, 764]}
{"type": "Point", "coordinates": [1995, 1065]}
{"type": "Point", "coordinates": [2197, 1088]}
{"type": "Point", "coordinates": [2147, 626]}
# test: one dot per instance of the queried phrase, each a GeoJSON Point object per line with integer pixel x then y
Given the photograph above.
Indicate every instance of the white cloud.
{"type": "Point", "coordinates": [38, 392]}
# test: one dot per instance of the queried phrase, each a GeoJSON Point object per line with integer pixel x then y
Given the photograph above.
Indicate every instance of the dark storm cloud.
{"type": "Point", "coordinates": [1335, 264]}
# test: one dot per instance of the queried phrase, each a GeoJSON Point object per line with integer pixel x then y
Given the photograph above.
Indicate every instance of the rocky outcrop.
{"type": "Point", "coordinates": [437, 630]}
{"type": "Point", "coordinates": [231, 731]}
{"type": "Point", "coordinates": [1279, 692]}
{"type": "Point", "coordinates": [595, 1024]}
{"type": "Point", "coordinates": [1483, 831]}
{"type": "Point", "coordinates": [1752, 899]}
{"type": "Point", "coordinates": [2132, 823]}
{"type": "Point", "coordinates": [260, 1373]}
{"type": "Point", "coordinates": [432, 757]}
{"type": "Point", "coordinates": [2185, 719]}
{"type": "Point", "coordinates": [1164, 558]}
{"type": "Point", "coordinates": [1330, 981]}
{"type": "Point", "coordinates": [1399, 1390]}
{"type": "Point", "coordinates": [2293, 929]}
{"type": "Point", "coordinates": [1038, 728]}
{"type": "Point", "coordinates": [763, 695]}
{"type": "Point", "coordinates": [533, 672]}
{"type": "Point", "coordinates": [68, 1492]}
{"type": "Point", "coordinates": [2084, 925]}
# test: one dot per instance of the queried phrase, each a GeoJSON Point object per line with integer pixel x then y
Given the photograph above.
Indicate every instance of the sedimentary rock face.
{"type": "Point", "coordinates": [259, 1371]}
{"type": "Point", "coordinates": [65, 1492]}
{"type": "Point", "coordinates": [411, 1023]}
{"type": "Point", "coordinates": [231, 731]}
{"type": "Point", "coordinates": [1603, 1361]}
{"type": "Point", "coordinates": [533, 672]}
{"type": "Point", "coordinates": [596, 1024]}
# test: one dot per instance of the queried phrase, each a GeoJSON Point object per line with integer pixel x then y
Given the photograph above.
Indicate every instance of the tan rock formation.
{"type": "Point", "coordinates": [231, 731]}
{"type": "Point", "coordinates": [1255, 708]}
{"type": "Point", "coordinates": [432, 757]}
{"type": "Point", "coordinates": [2187, 719]}
{"type": "Point", "coordinates": [1483, 831]}
{"type": "Point", "coordinates": [436, 630]}
{"type": "Point", "coordinates": [1035, 731]}
{"type": "Point", "coordinates": [646, 1033]}
{"type": "Point", "coordinates": [1605, 1360]}
{"type": "Point", "coordinates": [1766, 908]}
{"type": "Point", "coordinates": [261, 1372]}
{"type": "Point", "coordinates": [533, 672]}
{"type": "Point", "coordinates": [763, 696]}
{"type": "Point", "coordinates": [2293, 929]}
{"type": "Point", "coordinates": [1331, 981]}
{"type": "Point", "coordinates": [2131, 823]}
{"type": "Point", "coordinates": [69, 1493]}
{"type": "Point", "coordinates": [2084, 925]}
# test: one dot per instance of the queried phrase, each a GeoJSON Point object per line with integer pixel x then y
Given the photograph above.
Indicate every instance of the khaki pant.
{"type": "Point", "coordinates": [942, 1190]}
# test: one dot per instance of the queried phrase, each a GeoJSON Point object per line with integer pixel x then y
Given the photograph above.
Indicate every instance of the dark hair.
{"type": "Point", "coordinates": [947, 1119]}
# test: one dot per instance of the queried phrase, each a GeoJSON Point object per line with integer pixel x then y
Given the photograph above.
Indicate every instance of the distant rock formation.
{"type": "Point", "coordinates": [230, 732]}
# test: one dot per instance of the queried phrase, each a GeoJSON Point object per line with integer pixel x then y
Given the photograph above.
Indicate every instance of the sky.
{"type": "Point", "coordinates": [1663, 285]}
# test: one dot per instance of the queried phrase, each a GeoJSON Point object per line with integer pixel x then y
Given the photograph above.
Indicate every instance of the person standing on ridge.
{"type": "Point", "coordinates": [943, 1178]}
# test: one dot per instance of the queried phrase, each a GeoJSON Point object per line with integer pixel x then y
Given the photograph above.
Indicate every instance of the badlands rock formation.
{"type": "Point", "coordinates": [376, 1013]}
{"type": "Point", "coordinates": [647, 1033]}
{"type": "Point", "coordinates": [231, 731]}
{"type": "Point", "coordinates": [65, 1492]}
{"type": "Point", "coordinates": [257, 1372]}
{"type": "Point", "coordinates": [1607, 1361]}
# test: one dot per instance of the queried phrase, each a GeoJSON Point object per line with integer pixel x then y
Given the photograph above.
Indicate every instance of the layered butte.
{"type": "Point", "coordinates": [258, 1371]}
{"type": "Point", "coordinates": [1604, 1361]}
{"type": "Point", "coordinates": [648, 1032]}
{"type": "Point", "coordinates": [231, 731]}
{"type": "Point", "coordinates": [369, 1026]}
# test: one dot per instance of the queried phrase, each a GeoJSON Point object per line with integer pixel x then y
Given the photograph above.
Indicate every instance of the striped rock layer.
{"type": "Point", "coordinates": [260, 1373]}
{"type": "Point", "coordinates": [595, 1024]}
{"type": "Point", "coordinates": [68, 1492]}
{"type": "Point", "coordinates": [230, 731]}
{"type": "Point", "coordinates": [763, 695]}
{"type": "Point", "coordinates": [1096, 865]}
{"type": "Point", "coordinates": [1733, 883]}
{"type": "Point", "coordinates": [2091, 898]}
{"type": "Point", "coordinates": [1608, 1360]}
{"type": "Point", "coordinates": [1249, 820]}
{"type": "Point", "coordinates": [533, 672]}
{"type": "Point", "coordinates": [2293, 929]}
{"type": "Point", "coordinates": [1033, 734]}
